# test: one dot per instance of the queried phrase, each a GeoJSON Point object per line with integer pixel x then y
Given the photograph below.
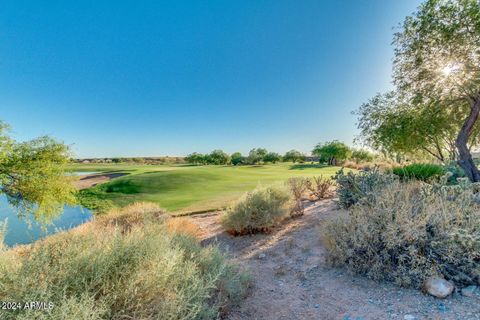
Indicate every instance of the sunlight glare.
{"type": "Point", "coordinates": [449, 69]}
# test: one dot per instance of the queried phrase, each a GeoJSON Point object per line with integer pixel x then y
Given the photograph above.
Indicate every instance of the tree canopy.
{"type": "Point", "coordinates": [237, 158]}
{"type": "Point", "coordinates": [272, 157]}
{"type": "Point", "coordinates": [436, 102]}
{"type": "Point", "coordinates": [294, 156]}
{"type": "Point", "coordinates": [32, 175]}
{"type": "Point", "coordinates": [332, 152]}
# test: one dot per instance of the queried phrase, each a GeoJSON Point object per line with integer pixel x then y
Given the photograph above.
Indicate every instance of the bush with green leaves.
{"type": "Point", "coordinates": [105, 271]}
{"type": "Point", "coordinates": [360, 187]}
{"type": "Point", "coordinates": [420, 171]}
{"type": "Point", "coordinates": [408, 232]}
{"type": "Point", "coordinates": [257, 211]}
{"type": "Point", "coordinates": [454, 172]}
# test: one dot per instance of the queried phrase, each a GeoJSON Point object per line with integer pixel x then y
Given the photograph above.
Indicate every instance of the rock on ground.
{"type": "Point", "coordinates": [438, 287]}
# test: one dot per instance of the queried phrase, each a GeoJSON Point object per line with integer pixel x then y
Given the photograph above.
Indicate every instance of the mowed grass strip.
{"type": "Point", "coordinates": [184, 189]}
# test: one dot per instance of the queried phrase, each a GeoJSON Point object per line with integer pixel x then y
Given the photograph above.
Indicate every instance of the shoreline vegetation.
{"type": "Point", "coordinates": [124, 264]}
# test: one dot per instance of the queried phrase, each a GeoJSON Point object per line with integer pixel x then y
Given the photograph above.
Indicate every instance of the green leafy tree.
{"type": "Point", "coordinates": [256, 155]}
{"type": "Point", "coordinates": [437, 61]}
{"type": "Point", "coordinates": [237, 158]}
{"type": "Point", "coordinates": [218, 157]}
{"type": "Point", "coordinates": [361, 155]}
{"type": "Point", "coordinates": [332, 152]}
{"type": "Point", "coordinates": [294, 156]}
{"type": "Point", "coordinates": [33, 176]}
{"type": "Point", "coordinates": [195, 158]}
{"type": "Point", "coordinates": [393, 125]}
{"type": "Point", "coordinates": [272, 157]}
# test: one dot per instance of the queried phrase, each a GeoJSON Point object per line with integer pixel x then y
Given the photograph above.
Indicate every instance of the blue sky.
{"type": "Point", "coordinates": [151, 78]}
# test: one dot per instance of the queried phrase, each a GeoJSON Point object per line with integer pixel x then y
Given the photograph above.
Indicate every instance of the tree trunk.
{"type": "Point", "coordinates": [465, 160]}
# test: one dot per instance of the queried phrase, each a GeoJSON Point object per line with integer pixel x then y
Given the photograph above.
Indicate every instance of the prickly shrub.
{"type": "Point", "coordinates": [355, 187]}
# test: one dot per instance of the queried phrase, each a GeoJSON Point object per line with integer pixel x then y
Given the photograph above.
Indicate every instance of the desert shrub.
{"type": "Point", "coordinates": [420, 171]}
{"type": "Point", "coordinates": [183, 225]}
{"type": "Point", "coordinates": [382, 166]}
{"type": "Point", "coordinates": [354, 187]}
{"type": "Point", "coordinates": [320, 187]}
{"type": "Point", "coordinates": [138, 213]}
{"type": "Point", "coordinates": [106, 273]}
{"type": "Point", "coordinates": [408, 232]}
{"type": "Point", "coordinates": [256, 211]}
{"type": "Point", "coordinates": [454, 172]}
{"type": "Point", "coordinates": [297, 186]}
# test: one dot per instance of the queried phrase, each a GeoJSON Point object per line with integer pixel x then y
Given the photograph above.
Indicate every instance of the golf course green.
{"type": "Point", "coordinates": [185, 188]}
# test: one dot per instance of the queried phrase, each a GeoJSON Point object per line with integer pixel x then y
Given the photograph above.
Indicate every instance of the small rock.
{"type": "Point", "coordinates": [469, 291]}
{"type": "Point", "coordinates": [409, 317]}
{"type": "Point", "coordinates": [317, 306]}
{"type": "Point", "coordinates": [438, 287]}
{"type": "Point", "coordinates": [442, 308]}
{"type": "Point", "coordinates": [262, 256]}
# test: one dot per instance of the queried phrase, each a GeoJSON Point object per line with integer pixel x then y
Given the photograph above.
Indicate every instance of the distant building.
{"type": "Point", "coordinates": [312, 159]}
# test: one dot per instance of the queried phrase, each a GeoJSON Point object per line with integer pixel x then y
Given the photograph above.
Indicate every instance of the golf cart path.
{"type": "Point", "coordinates": [292, 281]}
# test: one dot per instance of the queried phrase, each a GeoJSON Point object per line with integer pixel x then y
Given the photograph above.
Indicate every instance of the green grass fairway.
{"type": "Point", "coordinates": [183, 188]}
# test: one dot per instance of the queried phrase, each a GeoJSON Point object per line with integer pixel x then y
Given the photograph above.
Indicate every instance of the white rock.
{"type": "Point", "coordinates": [262, 256]}
{"type": "Point", "coordinates": [409, 317]}
{"type": "Point", "coordinates": [438, 287]}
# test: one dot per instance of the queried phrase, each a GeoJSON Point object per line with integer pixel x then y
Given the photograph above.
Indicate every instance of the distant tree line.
{"type": "Point", "coordinates": [255, 156]}
{"type": "Point", "coordinates": [331, 153]}
{"type": "Point", "coordinates": [134, 160]}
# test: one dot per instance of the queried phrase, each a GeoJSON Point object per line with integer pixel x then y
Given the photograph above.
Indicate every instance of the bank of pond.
{"type": "Point", "coordinates": [25, 229]}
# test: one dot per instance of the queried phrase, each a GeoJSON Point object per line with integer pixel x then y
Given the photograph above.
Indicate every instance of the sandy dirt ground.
{"type": "Point", "coordinates": [91, 180]}
{"type": "Point", "coordinates": [292, 281]}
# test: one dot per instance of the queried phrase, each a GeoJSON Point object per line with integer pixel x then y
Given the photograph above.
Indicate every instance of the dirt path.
{"type": "Point", "coordinates": [292, 281]}
{"type": "Point", "coordinates": [91, 180]}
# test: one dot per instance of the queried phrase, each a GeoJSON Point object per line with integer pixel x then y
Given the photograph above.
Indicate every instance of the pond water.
{"type": "Point", "coordinates": [82, 173]}
{"type": "Point", "coordinates": [26, 230]}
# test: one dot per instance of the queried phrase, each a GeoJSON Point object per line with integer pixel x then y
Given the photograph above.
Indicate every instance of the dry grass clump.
{"type": "Point", "coordinates": [256, 211]}
{"type": "Point", "coordinates": [320, 187]}
{"type": "Point", "coordinates": [143, 271]}
{"type": "Point", "coordinates": [132, 215]}
{"type": "Point", "coordinates": [312, 189]}
{"type": "Point", "coordinates": [407, 232]}
{"type": "Point", "coordinates": [297, 187]}
{"type": "Point", "coordinates": [183, 225]}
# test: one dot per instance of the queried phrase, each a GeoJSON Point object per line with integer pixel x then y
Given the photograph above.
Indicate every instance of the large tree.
{"type": "Point", "coordinates": [395, 126]}
{"type": "Point", "coordinates": [437, 61]}
{"type": "Point", "coordinates": [32, 175]}
{"type": "Point", "coordinates": [294, 156]}
{"type": "Point", "coordinates": [332, 152]}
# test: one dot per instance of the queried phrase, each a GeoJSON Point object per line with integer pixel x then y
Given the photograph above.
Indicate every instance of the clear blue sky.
{"type": "Point", "coordinates": [150, 78]}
